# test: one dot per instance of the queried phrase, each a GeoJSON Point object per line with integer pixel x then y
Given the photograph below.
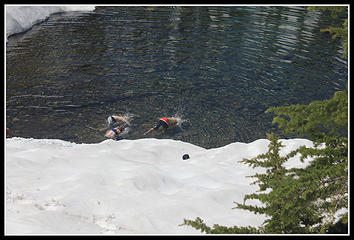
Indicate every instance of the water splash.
{"type": "Point", "coordinates": [128, 116]}
{"type": "Point", "coordinates": [181, 122]}
{"type": "Point", "coordinates": [125, 132]}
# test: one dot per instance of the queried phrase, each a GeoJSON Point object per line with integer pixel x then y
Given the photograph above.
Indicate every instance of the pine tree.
{"type": "Point", "coordinates": [286, 202]}
{"type": "Point", "coordinates": [326, 178]}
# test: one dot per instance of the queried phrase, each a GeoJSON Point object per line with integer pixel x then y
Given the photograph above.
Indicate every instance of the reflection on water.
{"type": "Point", "coordinates": [218, 68]}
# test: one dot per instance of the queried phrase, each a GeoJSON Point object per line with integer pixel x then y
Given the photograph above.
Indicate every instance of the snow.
{"type": "Point", "coordinates": [123, 187]}
{"type": "Point", "coordinates": [21, 18]}
{"type": "Point", "coordinates": [129, 186]}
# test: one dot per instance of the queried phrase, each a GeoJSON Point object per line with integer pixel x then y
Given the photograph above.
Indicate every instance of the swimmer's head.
{"type": "Point", "coordinates": [111, 120]}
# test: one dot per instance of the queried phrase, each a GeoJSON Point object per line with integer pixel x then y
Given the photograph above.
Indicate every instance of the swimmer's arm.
{"type": "Point", "coordinates": [151, 129]}
{"type": "Point", "coordinates": [108, 135]}
{"type": "Point", "coordinates": [155, 127]}
{"type": "Point", "coordinates": [123, 119]}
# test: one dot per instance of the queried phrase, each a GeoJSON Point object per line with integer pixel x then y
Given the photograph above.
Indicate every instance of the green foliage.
{"type": "Point", "coordinates": [279, 188]}
{"type": "Point", "coordinates": [334, 10]}
{"type": "Point", "coordinates": [320, 120]}
{"type": "Point", "coordinates": [326, 178]}
{"type": "Point", "coordinates": [218, 229]}
{"type": "Point", "coordinates": [340, 32]}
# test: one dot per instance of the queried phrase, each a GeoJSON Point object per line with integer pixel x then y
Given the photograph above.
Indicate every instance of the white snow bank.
{"type": "Point", "coordinates": [22, 18]}
{"type": "Point", "coordinates": [128, 186]}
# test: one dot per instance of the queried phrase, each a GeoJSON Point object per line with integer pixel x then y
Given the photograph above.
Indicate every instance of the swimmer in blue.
{"type": "Point", "coordinates": [117, 124]}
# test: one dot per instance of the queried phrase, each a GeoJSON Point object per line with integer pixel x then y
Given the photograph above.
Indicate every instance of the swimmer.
{"type": "Point", "coordinates": [164, 122]}
{"type": "Point", "coordinates": [117, 125]}
{"type": "Point", "coordinates": [114, 132]}
{"type": "Point", "coordinates": [9, 133]}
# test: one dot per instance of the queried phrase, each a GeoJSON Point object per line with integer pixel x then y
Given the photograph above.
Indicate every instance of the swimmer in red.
{"type": "Point", "coordinates": [9, 133]}
{"type": "Point", "coordinates": [164, 122]}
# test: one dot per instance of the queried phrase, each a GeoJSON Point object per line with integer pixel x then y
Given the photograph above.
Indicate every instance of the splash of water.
{"type": "Point", "coordinates": [129, 116]}
{"type": "Point", "coordinates": [125, 131]}
{"type": "Point", "coordinates": [180, 120]}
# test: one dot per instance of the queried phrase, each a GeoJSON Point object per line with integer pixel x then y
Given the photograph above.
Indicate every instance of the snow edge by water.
{"type": "Point", "coordinates": [20, 18]}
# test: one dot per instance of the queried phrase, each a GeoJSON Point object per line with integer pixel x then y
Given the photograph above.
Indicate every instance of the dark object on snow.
{"type": "Point", "coordinates": [185, 157]}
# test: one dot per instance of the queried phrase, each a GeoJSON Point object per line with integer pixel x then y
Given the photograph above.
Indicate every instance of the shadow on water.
{"type": "Point", "coordinates": [218, 67]}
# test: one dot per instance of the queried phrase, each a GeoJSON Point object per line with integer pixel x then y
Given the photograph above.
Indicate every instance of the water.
{"type": "Point", "coordinates": [217, 68]}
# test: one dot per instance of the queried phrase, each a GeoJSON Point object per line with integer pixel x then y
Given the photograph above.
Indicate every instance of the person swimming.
{"type": "Point", "coordinates": [117, 125]}
{"type": "Point", "coordinates": [164, 122]}
{"type": "Point", "coordinates": [9, 133]}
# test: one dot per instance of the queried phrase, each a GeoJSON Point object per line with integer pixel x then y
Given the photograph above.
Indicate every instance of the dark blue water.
{"type": "Point", "coordinates": [217, 67]}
